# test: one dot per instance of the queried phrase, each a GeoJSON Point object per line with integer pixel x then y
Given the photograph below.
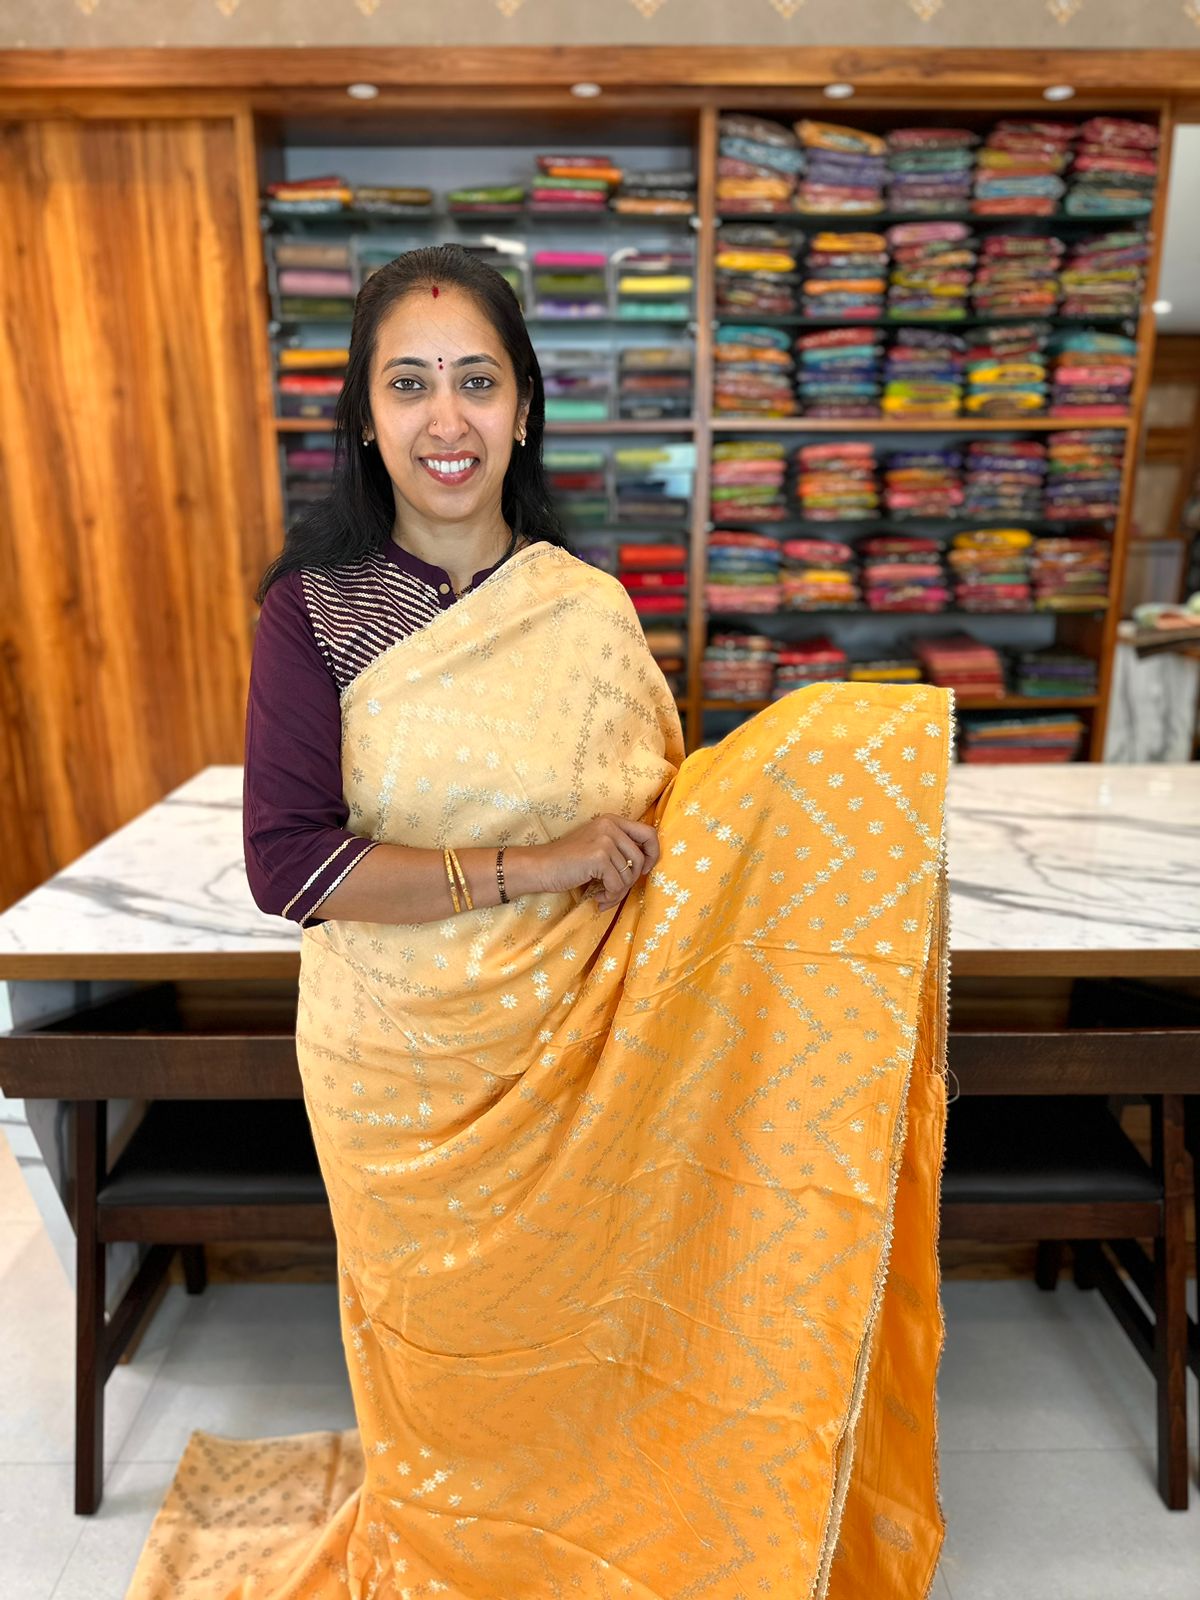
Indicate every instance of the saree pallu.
{"type": "Point", "coordinates": [636, 1211]}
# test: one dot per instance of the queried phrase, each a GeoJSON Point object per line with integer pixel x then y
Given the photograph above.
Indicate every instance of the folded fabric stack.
{"type": "Point", "coordinates": [309, 197]}
{"type": "Point", "coordinates": [801, 662]}
{"type": "Point", "coordinates": [386, 200]}
{"type": "Point", "coordinates": [1018, 171]}
{"type": "Point", "coordinates": [314, 281]}
{"type": "Point", "coordinates": [819, 575]}
{"type": "Point", "coordinates": [1103, 275]}
{"type": "Point", "coordinates": [655, 576]}
{"type": "Point", "coordinates": [1018, 275]}
{"type": "Point", "coordinates": [837, 482]}
{"type": "Point", "coordinates": [1093, 374]}
{"type": "Point", "coordinates": [669, 192]}
{"type": "Point", "coordinates": [929, 170]}
{"type": "Point", "coordinates": [959, 662]}
{"type": "Point", "coordinates": [990, 567]}
{"type": "Point", "coordinates": [654, 380]}
{"type": "Point", "coordinates": [653, 483]}
{"type": "Point", "coordinates": [847, 169]}
{"type": "Point", "coordinates": [577, 477]}
{"type": "Point", "coordinates": [573, 183]}
{"type": "Point", "coordinates": [1083, 474]}
{"type": "Point", "coordinates": [308, 471]}
{"type": "Point", "coordinates": [924, 373]}
{"type": "Point", "coordinates": [1025, 741]}
{"type": "Point", "coordinates": [932, 270]}
{"type": "Point", "coordinates": [487, 200]}
{"type": "Point", "coordinates": [1006, 370]}
{"type": "Point", "coordinates": [896, 670]}
{"type": "Point", "coordinates": [1116, 168]}
{"type": "Point", "coordinates": [758, 164]}
{"type": "Point", "coordinates": [846, 279]}
{"type": "Point", "coordinates": [923, 483]}
{"type": "Point", "coordinates": [1071, 574]}
{"type": "Point", "coordinates": [578, 383]}
{"type": "Point", "coordinates": [570, 284]}
{"type": "Point", "coordinates": [597, 551]}
{"type": "Point", "coordinates": [743, 571]}
{"type": "Point", "coordinates": [1055, 673]}
{"type": "Point", "coordinates": [1003, 480]}
{"type": "Point", "coordinates": [738, 666]}
{"type": "Point", "coordinates": [756, 270]}
{"type": "Point", "coordinates": [900, 573]}
{"type": "Point", "coordinates": [753, 372]}
{"type": "Point", "coordinates": [747, 481]}
{"type": "Point", "coordinates": [654, 285]}
{"type": "Point", "coordinates": [668, 646]}
{"type": "Point", "coordinates": [310, 379]}
{"type": "Point", "coordinates": [839, 372]}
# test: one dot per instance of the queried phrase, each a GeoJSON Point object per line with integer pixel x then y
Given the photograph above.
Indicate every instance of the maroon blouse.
{"type": "Point", "coordinates": [317, 631]}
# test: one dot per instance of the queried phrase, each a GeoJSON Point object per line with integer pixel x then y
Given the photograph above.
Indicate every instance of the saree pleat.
{"type": "Point", "coordinates": [636, 1211]}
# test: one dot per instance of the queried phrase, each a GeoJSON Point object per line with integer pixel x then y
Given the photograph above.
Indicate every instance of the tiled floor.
{"type": "Point", "coordinates": [1047, 1429]}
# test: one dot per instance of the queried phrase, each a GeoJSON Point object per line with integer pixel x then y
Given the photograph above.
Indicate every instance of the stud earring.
{"type": "Point", "coordinates": [366, 441]}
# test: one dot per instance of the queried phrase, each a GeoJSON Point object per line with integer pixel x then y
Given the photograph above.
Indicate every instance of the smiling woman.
{"type": "Point", "coordinates": [632, 1298]}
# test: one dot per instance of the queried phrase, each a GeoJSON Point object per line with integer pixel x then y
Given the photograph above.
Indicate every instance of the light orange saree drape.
{"type": "Point", "coordinates": [636, 1211]}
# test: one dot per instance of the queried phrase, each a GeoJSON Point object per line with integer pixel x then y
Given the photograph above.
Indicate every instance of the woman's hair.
{"type": "Point", "coordinates": [358, 514]}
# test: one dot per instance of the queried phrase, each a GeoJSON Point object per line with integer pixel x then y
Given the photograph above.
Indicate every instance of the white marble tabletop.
{"type": "Point", "coordinates": [1055, 870]}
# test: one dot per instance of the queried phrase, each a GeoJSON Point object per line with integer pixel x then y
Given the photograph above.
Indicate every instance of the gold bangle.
{"type": "Point", "coordinates": [450, 875]}
{"type": "Point", "coordinates": [462, 879]}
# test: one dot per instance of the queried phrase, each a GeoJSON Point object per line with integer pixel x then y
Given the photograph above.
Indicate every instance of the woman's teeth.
{"type": "Point", "coordinates": [451, 466]}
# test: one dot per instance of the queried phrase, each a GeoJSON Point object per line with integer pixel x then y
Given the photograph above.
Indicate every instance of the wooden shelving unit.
{"type": "Point", "coordinates": [688, 128]}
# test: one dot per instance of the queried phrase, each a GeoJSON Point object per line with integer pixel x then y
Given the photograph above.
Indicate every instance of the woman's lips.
{"type": "Point", "coordinates": [451, 470]}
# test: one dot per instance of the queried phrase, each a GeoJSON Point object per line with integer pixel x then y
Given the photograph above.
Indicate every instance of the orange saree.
{"type": "Point", "coordinates": [636, 1211]}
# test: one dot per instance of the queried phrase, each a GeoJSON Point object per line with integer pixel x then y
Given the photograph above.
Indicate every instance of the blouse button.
{"type": "Point", "coordinates": [443, 588]}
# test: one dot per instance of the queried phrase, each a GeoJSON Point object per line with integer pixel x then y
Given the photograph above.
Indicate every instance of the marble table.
{"type": "Point", "coordinates": [125, 979]}
{"type": "Point", "coordinates": [1070, 870]}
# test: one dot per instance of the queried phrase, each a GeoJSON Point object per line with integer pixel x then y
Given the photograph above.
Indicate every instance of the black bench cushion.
{"type": "Point", "coordinates": [1053, 1148]}
{"type": "Point", "coordinates": [217, 1152]}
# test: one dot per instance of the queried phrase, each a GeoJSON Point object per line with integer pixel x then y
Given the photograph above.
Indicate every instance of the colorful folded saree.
{"type": "Point", "coordinates": [636, 1211]}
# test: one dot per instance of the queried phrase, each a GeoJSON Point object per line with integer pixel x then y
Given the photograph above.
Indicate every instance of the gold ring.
{"type": "Point", "coordinates": [629, 864]}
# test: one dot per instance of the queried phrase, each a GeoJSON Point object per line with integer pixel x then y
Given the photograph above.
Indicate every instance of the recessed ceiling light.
{"type": "Point", "coordinates": [586, 91]}
{"type": "Point", "coordinates": [362, 91]}
{"type": "Point", "coordinates": [1058, 91]}
{"type": "Point", "coordinates": [838, 91]}
{"type": "Point", "coordinates": [1162, 308]}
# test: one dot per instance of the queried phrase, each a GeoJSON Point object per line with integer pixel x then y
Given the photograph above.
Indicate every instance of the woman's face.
{"type": "Point", "coordinates": [445, 411]}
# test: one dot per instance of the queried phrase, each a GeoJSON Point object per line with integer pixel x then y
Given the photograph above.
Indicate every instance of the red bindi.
{"type": "Point", "coordinates": [433, 289]}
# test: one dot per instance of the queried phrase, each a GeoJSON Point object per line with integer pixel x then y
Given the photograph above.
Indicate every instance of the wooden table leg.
{"type": "Point", "coordinates": [91, 1154]}
{"type": "Point", "coordinates": [1170, 1303]}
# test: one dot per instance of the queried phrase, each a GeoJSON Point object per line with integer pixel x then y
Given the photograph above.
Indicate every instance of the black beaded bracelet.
{"type": "Point", "coordinates": [500, 873]}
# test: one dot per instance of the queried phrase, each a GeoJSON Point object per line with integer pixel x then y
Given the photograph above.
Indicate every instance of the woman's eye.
{"type": "Point", "coordinates": [479, 382]}
{"type": "Point", "coordinates": [403, 385]}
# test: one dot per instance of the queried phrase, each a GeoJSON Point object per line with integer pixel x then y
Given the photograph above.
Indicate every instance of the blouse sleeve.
{"type": "Point", "coordinates": [294, 813]}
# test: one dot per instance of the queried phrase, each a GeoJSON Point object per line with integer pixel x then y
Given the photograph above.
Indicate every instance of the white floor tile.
{"type": "Point", "coordinates": [260, 1333]}
{"type": "Point", "coordinates": [102, 1562]}
{"type": "Point", "coordinates": [37, 1355]}
{"type": "Point", "coordinates": [38, 1529]}
{"type": "Point", "coordinates": [176, 1406]}
{"type": "Point", "coordinates": [1064, 1525]}
{"type": "Point", "coordinates": [1026, 1370]}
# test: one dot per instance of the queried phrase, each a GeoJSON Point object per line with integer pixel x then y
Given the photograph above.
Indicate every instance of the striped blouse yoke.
{"type": "Point", "coordinates": [317, 630]}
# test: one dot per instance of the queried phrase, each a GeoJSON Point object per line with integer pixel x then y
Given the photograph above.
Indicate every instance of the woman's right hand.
{"type": "Point", "coordinates": [598, 851]}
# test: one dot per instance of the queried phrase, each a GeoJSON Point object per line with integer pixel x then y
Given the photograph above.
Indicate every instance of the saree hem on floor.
{"type": "Point", "coordinates": [636, 1211]}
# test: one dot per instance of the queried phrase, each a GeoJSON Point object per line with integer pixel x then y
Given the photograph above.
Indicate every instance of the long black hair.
{"type": "Point", "coordinates": [358, 514]}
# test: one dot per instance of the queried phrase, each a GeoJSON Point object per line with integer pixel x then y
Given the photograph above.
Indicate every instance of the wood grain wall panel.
{"type": "Point", "coordinates": [134, 525]}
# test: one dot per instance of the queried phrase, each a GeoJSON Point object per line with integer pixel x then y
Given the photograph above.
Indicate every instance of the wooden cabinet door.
{"type": "Point", "coordinates": [135, 518]}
